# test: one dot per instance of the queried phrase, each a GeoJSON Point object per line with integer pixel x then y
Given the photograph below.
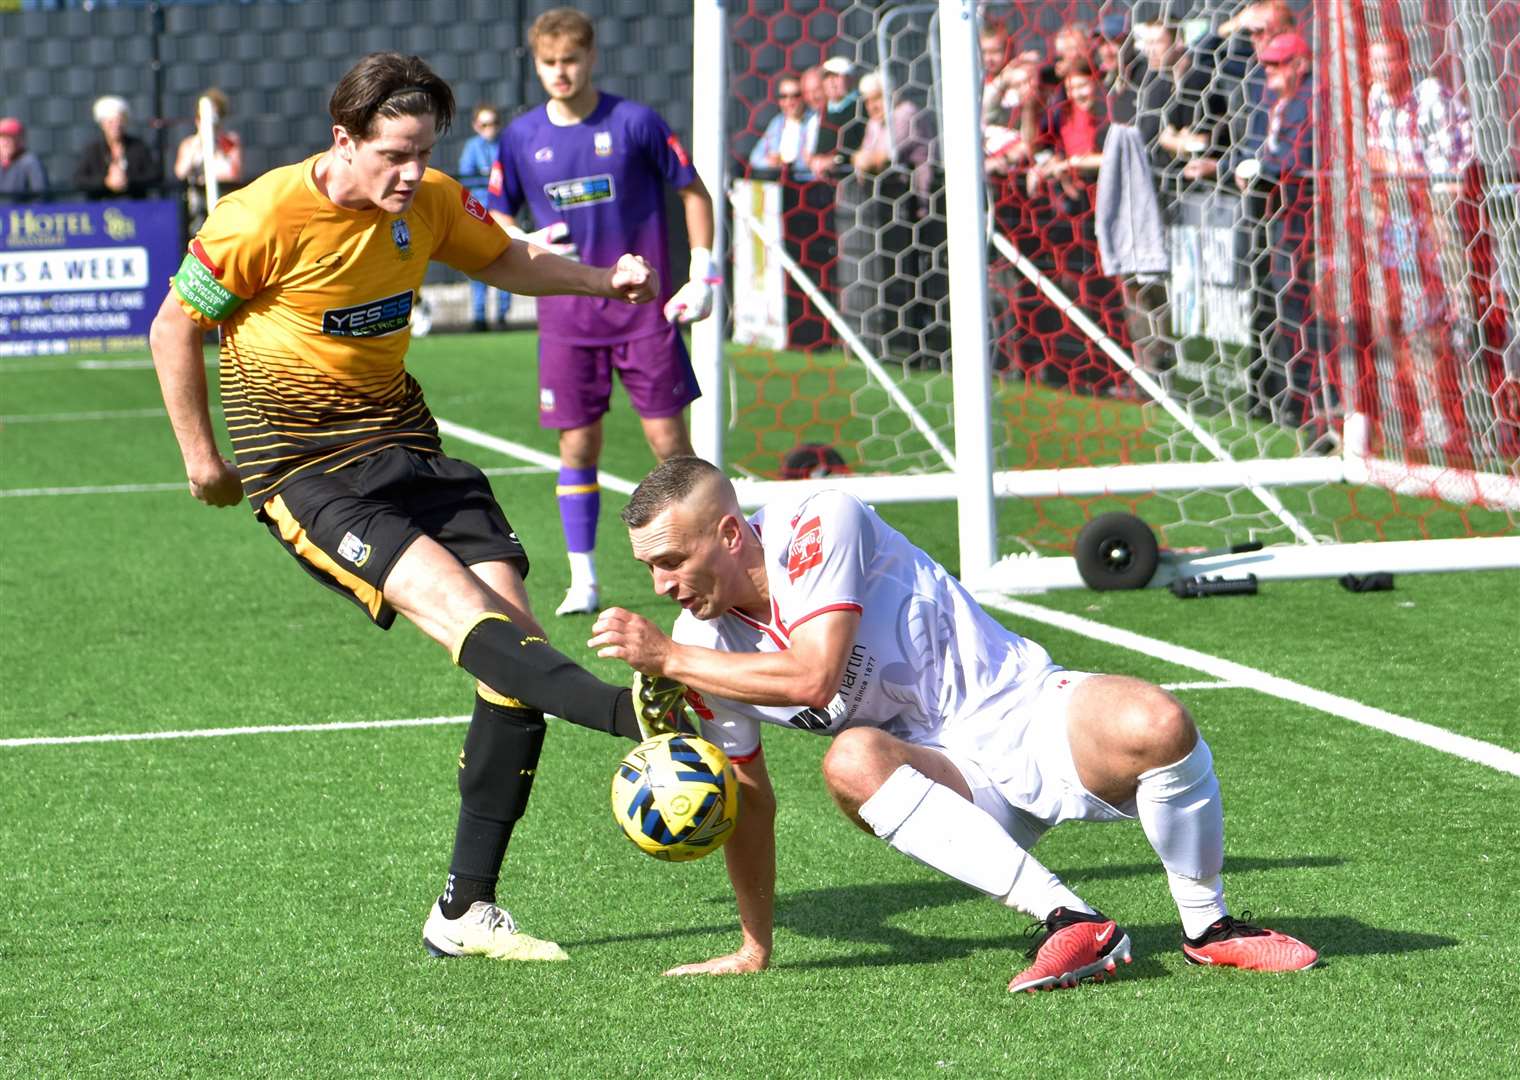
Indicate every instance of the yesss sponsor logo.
{"type": "Point", "coordinates": [582, 191]}
{"type": "Point", "coordinates": [373, 319]}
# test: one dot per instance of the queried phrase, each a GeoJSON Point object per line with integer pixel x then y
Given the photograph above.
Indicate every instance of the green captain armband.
{"type": "Point", "coordinates": [196, 285]}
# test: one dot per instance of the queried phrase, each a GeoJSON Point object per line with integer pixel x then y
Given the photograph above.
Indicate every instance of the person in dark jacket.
{"type": "Point", "coordinates": [116, 165]}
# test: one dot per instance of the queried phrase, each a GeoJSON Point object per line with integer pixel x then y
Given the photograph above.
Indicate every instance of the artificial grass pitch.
{"type": "Point", "coordinates": [252, 905]}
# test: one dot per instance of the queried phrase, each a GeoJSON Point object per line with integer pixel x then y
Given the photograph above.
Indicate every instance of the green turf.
{"type": "Point", "coordinates": [251, 905]}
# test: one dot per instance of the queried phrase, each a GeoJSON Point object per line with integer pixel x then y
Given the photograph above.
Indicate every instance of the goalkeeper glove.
{"type": "Point", "coordinates": [693, 301]}
{"type": "Point", "coordinates": [554, 238]}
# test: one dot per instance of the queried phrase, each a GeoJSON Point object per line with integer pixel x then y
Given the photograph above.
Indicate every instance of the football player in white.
{"type": "Point", "coordinates": [955, 740]}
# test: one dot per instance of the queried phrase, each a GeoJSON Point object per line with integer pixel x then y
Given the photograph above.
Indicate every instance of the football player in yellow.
{"type": "Point", "coordinates": [310, 272]}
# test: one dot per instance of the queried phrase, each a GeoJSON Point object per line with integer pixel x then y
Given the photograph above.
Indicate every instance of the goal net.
{"type": "Point", "coordinates": [1244, 303]}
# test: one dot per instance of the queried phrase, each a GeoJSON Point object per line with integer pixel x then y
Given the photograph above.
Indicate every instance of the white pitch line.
{"type": "Point", "coordinates": [1202, 686]}
{"type": "Point", "coordinates": [116, 365]}
{"type": "Point", "coordinates": [216, 733]}
{"type": "Point", "coordinates": [1495, 757]}
{"type": "Point", "coordinates": [91, 489]}
{"type": "Point", "coordinates": [65, 417]}
{"type": "Point", "coordinates": [179, 485]}
{"type": "Point", "coordinates": [33, 366]}
{"type": "Point", "coordinates": [523, 453]}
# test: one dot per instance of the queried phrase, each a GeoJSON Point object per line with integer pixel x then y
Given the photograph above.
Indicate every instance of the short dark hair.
{"type": "Point", "coordinates": [671, 482]}
{"type": "Point", "coordinates": [389, 84]}
{"type": "Point", "coordinates": [562, 22]}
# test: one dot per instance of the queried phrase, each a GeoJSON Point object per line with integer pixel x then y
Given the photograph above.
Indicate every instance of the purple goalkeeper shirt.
{"type": "Point", "coordinates": [603, 178]}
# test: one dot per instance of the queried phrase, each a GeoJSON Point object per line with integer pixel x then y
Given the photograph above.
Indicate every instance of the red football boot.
{"type": "Point", "coordinates": [1075, 946]}
{"type": "Point", "coordinates": [1233, 942]}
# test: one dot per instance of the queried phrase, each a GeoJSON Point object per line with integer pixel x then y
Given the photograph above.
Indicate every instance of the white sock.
{"type": "Point", "coordinates": [931, 823]}
{"type": "Point", "coordinates": [582, 569]}
{"type": "Point", "coordinates": [1183, 817]}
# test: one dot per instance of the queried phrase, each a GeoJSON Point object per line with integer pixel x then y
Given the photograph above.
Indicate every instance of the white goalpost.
{"type": "Point", "coordinates": [1203, 455]}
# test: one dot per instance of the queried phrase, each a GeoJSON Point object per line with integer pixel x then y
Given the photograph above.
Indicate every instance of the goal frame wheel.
{"type": "Point", "coordinates": [1117, 551]}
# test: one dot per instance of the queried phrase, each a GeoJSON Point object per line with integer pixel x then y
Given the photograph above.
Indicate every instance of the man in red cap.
{"type": "Point", "coordinates": [21, 173]}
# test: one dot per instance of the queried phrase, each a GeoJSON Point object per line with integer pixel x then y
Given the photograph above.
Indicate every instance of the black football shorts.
{"type": "Point", "coordinates": [347, 528]}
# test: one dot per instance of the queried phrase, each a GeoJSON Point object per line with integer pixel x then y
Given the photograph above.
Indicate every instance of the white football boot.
{"type": "Point", "coordinates": [484, 930]}
{"type": "Point", "coordinates": [580, 600]}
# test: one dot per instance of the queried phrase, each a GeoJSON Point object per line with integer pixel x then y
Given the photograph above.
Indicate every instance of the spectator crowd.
{"type": "Point", "coordinates": [1095, 138]}
{"type": "Point", "coordinates": [114, 162]}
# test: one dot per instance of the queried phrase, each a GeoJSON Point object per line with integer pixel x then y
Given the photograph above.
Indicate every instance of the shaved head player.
{"type": "Point", "coordinates": [955, 740]}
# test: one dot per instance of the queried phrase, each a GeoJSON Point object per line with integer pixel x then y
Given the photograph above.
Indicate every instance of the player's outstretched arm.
{"type": "Point", "coordinates": [179, 360]}
{"type": "Point", "coordinates": [534, 271]}
{"type": "Point", "coordinates": [553, 237]}
{"type": "Point", "coordinates": [806, 673]}
{"type": "Point", "coordinates": [751, 856]}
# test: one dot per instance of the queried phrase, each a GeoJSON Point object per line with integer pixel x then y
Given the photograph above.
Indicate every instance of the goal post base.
{"type": "Point", "coordinates": [1033, 573]}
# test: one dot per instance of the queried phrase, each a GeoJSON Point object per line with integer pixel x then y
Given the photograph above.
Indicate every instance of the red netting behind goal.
{"type": "Point", "coordinates": [1295, 275]}
{"type": "Point", "coordinates": [1423, 261]}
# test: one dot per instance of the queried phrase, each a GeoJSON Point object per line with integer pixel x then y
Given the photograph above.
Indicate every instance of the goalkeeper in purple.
{"type": "Point", "coordinates": [954, 739]}
{"type": "Point", "coordinates": [592, 168]}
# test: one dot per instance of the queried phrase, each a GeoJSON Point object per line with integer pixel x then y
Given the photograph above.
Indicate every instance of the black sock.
{"type": "Point", "coordinates": [531, 670]}
{"type": "Point", "coordinates": [496, 770]}
{"type": "Point", "coordinates": [460, 892]}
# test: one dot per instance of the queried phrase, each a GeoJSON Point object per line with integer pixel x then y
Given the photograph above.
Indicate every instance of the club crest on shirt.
{"type": "Point", "coordinates": [402, 237]}
{"type": "Point", "coordinates": [543, 154]}
{"type": "Point", "coordinates": [806, 551]}
{"type": "Point", "coordinates": [601, 142]}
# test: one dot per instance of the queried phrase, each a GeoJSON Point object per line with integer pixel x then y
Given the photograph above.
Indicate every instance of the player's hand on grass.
{"type": "Point", "coordinates": [619, 634]}
{"type": "Point", "coordinates": [693, 301]}
{"type": "Point", "coordinates": [634, 280]}
{"type": "Point", "coordinates": [216, 483]}
{"type": "Point", "coordinates": [742, 962]}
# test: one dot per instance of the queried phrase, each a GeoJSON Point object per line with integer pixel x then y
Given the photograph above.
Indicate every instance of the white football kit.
{"type": "Point", "coordinates": [928, 664]}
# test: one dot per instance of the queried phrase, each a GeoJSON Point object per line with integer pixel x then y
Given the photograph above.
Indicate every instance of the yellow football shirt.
{"type": "Point", "coordinates": [314, 301]}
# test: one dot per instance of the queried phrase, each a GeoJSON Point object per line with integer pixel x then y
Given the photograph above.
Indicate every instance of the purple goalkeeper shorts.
{"type": "Point", "coordinates": [575, 381]}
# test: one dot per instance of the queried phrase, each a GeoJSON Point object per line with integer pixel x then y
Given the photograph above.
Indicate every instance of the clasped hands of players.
{"type": "Point", "coordinates": [634, 280]}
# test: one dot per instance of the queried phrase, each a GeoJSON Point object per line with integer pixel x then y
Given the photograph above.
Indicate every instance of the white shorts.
{"type": "Point", "coordinates": [1019, 765]}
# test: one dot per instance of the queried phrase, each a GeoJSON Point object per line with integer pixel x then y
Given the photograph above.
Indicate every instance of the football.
{"type": "Point", "coordinates": [810, 461]}
{"type": "Point", "coordinates": [675, 796]}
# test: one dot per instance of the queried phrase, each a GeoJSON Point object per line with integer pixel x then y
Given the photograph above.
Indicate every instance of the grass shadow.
{"type": "Point", "coordinates": [866, 916]}
{"type": "Point", "coordinates": [1233, 864]}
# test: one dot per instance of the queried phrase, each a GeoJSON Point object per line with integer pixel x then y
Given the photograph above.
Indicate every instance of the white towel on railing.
{"type": "Point", "coordinates": [1127, 216]}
